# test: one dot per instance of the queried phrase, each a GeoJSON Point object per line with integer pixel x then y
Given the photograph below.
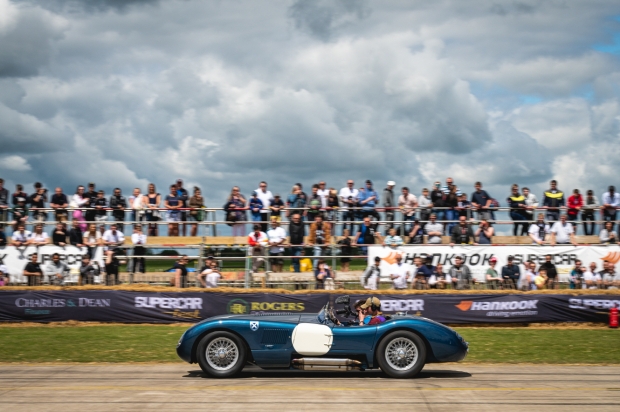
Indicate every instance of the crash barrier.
{"type": "Point", "coordinates": [149, 307]}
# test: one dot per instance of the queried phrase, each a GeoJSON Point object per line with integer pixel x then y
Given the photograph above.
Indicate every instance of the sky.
{"type": "Point", "coordinates": [223, 93]}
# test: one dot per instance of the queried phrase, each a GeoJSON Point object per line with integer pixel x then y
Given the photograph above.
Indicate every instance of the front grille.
{"type": "Point", "coordinates": [274, 336]}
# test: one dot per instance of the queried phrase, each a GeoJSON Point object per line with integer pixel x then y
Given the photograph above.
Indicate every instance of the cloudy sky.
{"type": "Point", "coordinates": [222, 93]}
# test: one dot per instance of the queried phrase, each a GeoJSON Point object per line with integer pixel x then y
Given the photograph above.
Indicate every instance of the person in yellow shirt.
{"type": "Point", "coordinates": [541, 279]}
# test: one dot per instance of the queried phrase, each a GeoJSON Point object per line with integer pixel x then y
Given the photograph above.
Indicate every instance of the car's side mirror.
{"type": "Point", "coordinates": [343, 300]}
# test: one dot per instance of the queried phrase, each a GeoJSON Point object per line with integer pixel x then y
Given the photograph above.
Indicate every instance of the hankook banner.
{"type": "Point", "coordinates": [138, 307]}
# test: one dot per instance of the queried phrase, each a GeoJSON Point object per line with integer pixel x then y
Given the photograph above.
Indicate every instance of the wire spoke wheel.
{"type": "Point", "coordinates": [401, 354]}
{"type": "Point", "coordinates": [222, 354]}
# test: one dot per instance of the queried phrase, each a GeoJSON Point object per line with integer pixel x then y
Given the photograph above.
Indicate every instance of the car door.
{"type": "Point", "coordinates": [353, 339]}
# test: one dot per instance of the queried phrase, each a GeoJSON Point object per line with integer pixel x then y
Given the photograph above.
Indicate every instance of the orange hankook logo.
{"type": "Point", "coordinates": [464, 305]}
{"type": "Point", "coordinates": [612, 257]}
{"type": "Point", "coordinates": [391, 258]}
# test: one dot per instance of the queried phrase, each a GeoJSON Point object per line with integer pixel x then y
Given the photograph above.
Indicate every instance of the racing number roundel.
{"type": "Point", "coordinates": [310, 339]}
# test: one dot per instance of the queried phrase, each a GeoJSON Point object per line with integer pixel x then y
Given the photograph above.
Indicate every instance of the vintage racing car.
{"type": "Point", "coordinates": [401, 346]}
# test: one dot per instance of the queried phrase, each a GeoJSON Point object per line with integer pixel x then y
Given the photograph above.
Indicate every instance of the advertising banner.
{"type": "Point", "coordinates": [148, 307]}
{"type": "Point", "coordinates": [16, 258]}
{"type": "Point", "coordinates": [477, 257]}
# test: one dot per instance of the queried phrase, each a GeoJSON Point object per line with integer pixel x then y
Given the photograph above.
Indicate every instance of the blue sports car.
{"type": "Point", "coordinates": [400, 346]}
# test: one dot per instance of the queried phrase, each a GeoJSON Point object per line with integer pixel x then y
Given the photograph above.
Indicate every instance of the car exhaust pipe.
{"type": "Point", "coordinates": [326, 364]}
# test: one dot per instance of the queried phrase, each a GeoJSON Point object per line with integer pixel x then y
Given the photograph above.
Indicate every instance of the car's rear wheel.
{"type": "Point", "coordinates": [401, 354]}
{"type": "Point", "coordinates": [221, 354]}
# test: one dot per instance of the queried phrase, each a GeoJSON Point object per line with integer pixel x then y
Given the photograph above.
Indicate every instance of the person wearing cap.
{"type": "Point", "coordinates": [388, 203]}
{"type": "Point", "coordinates": [266, 197]}
{"type": "Point", "coordinates": [372, 274]}
{"type": "Point", "coordinates": [399, 273]}
{"type": "Point", "coordinates": [510, 274]}
{"type": "Point", "coordinates": [256, 206]}
{"type": "Point", "coordinates": [368, 200]}
{"type": "Point", "coordinates": [492, 277]}
{"type": "Point", "coordinates": [461, 274]}
{"type": "Point", "coordinates": [370, 312]}
{"type": "Point", "coordinates": [348, 198]}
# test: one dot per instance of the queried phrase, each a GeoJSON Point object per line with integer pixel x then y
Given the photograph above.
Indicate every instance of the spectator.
{"type": "Point", "coordinates": [100, 204]}
{"type": "Point", "coordinates": [183, 197]}
{"type": "Point", "coordinates": [368, 200]}
{"type": "Point", "coordinates": [76, 237]}
{"type": "Point", "coordinates": [462, 234]}
{"type": "Point", "coordinates": [333, 204]}
{"type": "Point", "coordinates": [323, 194]}
{"type": "Point", "coordinates": [539, 230]}
{"type": "Point", "coordinates": [213, 277]}
{"type": "Point", "coordinates": [590, 204]}
{"type": "Point", "coordinates": [531, 203]}
{"type": "Point", "coordinates": [314, 204]}
{"type": "Point", "coordinates": [277, 237]}
{"type": "Point", "coordinates": [419, 280]}
{"type": "Point", "coordinates": [493, 279]}
{"type": "Point", "coordinates": [180, 272]}
{"type": "Point", "coordinates": [3, 241]}
{"type": "Point", "coordinates": [39, 237]}
{"type": "Point", "coordinates": [407, 203]}
{"type": "Point", "coordinates": [416, 235]}
{"type": "Point", "coordinates": [345, 250]}
{"type": "Point", "coordinates": [461, 274]}
{"type": "Point", "coordinates": [277, 205]}
{"type": "Point", "coordinates": [91, 195]}
{"type": "Point", "coordinates": [173, 203]}
{"type": "Point", "coordinates": [136, 203]}
{"type": "Point", "coordinates": [366, 235]}
{"type": "Point", "coordinates": [425, 270]}
{"type": "Point", "coordinates": [576, 275]}
{"type": "Point", "coordinates": [88, 271]}
{"type": "Point", "coordinates": [452, 201]}
{"type": "Point", "coordinates": [463, 207]}
{"type": "Point", "coordinates": [434, 230]}
{"type": "Point", "coordinates": [510, 274]}
{"type": "Point", "coordinates": [372, 275]}
{"type": "Point", "coordinates": [5, 277]}
{"type": "Point", "coordinates": [57, 271]}
{"type": "Point", "coordinates": [4, 203]}
{"type": "Point", "coordinates": [610, 280]}
{"type": "Point", "coordinates": [20, 212]}
{"type": "Point", "coordinates": [257, 240]}
{"type": "Point", "coordinates": [151, 205]}
{"type": "Point", "coordinates": [113, 240]}
{"type": "Point", "coordinates": [266, 197]}
{"type": "Point", "coordinates": [196, 214]}
{"type": "Point", "coordinates": [550, 271]}
{"type": "Point", "coordinates": [399, 273]}
{"type": "Point", "coordinates": [562, 232]}
{"type": "Point", "coordinates": [553, 200]}
{"type": "Point", "coordinates": [21, 236]}
{"type": "Point", "coordinates": [516, 202]}
{"type": "Point", "coordinates": [59, 203]}
{"type": "Point", "coordinates": [480, 201]}
{"type": "Point", "coordinates": [592, 278]}
{"type": "Point", "coordinates": [425, 206]}
{"type": "Point", "coordinates": [608, 235]}
{"type": "Point", "coordinates": [542, 280]}
{"type": "Point", "coordinates": [575, 204]}
{"type": "Point", "coordinates": [33, 271]}
{"type": "Point", "coordinates": [324, 277]}
{"type": "Point", "coordinates": [438, 199]}
{"type": "Point", "coordinates": [528, 277]}
{"type": "Point", "coordinates": [255, 205]}
{"type": "Point", "coordinates": [348, 199]}
{"type": "Point", "coordinates": [59, 235]}
{"type": "Point", "coordinates": [388, 203]}
{"type": "Point", "coordinates": [610, 204]}
{"type": "Point", "coordinates": [392, 240]}
{"type": "Point", "coordinates": [79, 201]}
{"type": "Point", "coordinates": [37, 203]}
{"type": "Point", "coordinates": [19, 192]}
{"type": "Point", "coordinates": [118, 204]}
{"type": "Point", "coordinates": [297, 232]}
{"type": "Point", "coordinates": [92, 239]}
{"type": "Point", "coordinates": [485, 233]}
{"type": "Point", "coordinates": [296, 202]}
{"type": "Point", "coordinates": [138, 239]}
{"type": "Point", "coordinates": [235, 211]}
{"type": "Point", "coordinates": [439, 279]}
{"type": "Point", "coordinates": [319, 237]}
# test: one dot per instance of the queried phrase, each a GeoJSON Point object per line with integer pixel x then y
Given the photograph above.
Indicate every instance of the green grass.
{"type": "Point", "coordinates": [156, 343]}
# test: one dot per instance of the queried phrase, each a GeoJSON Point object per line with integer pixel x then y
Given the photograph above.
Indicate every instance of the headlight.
{"type": "Point", "coordinates": [180, 340]}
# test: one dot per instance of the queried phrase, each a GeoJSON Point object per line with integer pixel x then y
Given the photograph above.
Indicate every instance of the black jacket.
{"type": "Point", "coordinates": [297, 232]}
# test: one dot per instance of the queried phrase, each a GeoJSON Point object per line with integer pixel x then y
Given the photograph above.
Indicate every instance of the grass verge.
{"type": "Point", "coordinates": [156, 343]}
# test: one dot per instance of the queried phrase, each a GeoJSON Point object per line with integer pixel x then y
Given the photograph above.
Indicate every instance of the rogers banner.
{"type": "Point", "coordinates": [477, 257]}
{"type": "Point", "coordinates": [138, 307]}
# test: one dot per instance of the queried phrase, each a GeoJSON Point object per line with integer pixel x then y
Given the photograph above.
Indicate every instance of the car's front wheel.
{"type": "Point", "coordinates": [221, 354]}
{"type": "Point", "coordinates": [401, 354]}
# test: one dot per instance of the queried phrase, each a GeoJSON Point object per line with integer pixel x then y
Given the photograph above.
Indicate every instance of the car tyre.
{"type": "Point", "coordinates": [401, 354]}
{"type": "Point", "coordinates": [221, 354]}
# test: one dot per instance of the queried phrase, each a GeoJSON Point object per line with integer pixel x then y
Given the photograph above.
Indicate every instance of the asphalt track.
{"type": "Point", "coordinates": [169, 387]}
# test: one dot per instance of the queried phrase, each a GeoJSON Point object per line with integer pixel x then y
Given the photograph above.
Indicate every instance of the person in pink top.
{"type": "Point", "coordinates": [575, 203]}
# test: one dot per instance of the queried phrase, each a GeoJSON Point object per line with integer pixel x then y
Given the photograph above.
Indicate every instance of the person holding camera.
{"type": "Point", "coordinates": [485, 232]}
{"type": "Point", "coordinates": [319, 237]}
{"type": "Point", "coordinates": [37, 203]}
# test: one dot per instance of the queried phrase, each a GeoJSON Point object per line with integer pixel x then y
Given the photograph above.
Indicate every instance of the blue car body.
{"type": "Point", "coordinates": [271, 338]}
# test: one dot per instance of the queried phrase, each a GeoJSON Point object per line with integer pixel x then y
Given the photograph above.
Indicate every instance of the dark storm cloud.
{"type": "Point", "coordinates": [321, 18]}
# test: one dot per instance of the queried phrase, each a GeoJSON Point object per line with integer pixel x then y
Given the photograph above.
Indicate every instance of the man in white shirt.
{"type": "Point", "coordinates": [348, 198]}
{"type": "Point", "coordinates": [399, 273]}
{"type": "Point", "coordinates": [266, 197]}
{"type": "Point", "coordinates": [526, 278]}
{"type": "Point", "coordinates": [277, 236]}
{"type": "Point", "coordinates": [539, 230]}
{"type": "Point", "coordinates": [323, 193]}
{"type": "Point", "coordinates": [610, 204]}
{"type": "Point", "coordinates": [372, 274]}
{"type": "Point", "coordinates": [591, 278]}
{"type": "Point", "coordinates": [138, 238]}
{"type": "Point", "coordinates": [433, 230]}
{"type": "Point", "coordinates": [531, 202]}
{"type": "Point", "coordinates": [136, 201]}
{"type": "Point", "coordinates": [407, 203]}
{"type": "Point", "coordinates": [113, 239]}
{"type": "Point", "coordinates": [562, 232]}
{"type": "Point", "coordinates": [21, 236]}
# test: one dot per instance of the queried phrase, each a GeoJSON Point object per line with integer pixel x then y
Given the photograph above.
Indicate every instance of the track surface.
{"type": "Point", "coordinates": [166, 387]}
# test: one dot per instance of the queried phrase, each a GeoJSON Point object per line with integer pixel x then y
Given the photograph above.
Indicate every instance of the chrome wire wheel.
{"type": "Point", "coordinates": [222, 354]}
{"type": "Point", "coordinates": [401, 354]}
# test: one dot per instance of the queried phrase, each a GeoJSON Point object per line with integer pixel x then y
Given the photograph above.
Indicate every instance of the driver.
{"type": "Point", "coordinates": [370, 313]}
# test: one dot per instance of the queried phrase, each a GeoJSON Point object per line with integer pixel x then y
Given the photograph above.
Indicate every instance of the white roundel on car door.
{"type": "Point", "coordinates": [310, 339]}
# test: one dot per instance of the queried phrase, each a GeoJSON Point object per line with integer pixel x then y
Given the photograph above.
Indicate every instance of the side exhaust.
{"type": "Point", "coordinates": [326, 364]}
